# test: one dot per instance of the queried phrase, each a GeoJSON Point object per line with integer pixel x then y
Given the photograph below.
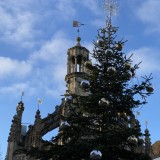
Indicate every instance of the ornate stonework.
{"type": "Point", "coordinates": [18, 142]}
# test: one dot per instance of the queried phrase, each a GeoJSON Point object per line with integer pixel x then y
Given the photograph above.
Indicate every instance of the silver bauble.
{"type": "Point", "coordinates": [86, 114]}
{"type": "Point", "coordinates": [88, 64]}
{"type": "Point", "coordinates": [124, 115]}
{"type": "Point", "coordinates": [149, 89]}
{"type": "Point", "coordinates": [119, 46]}
{"type": "Point", "coordinates": [111, 70]}
{"type": "Point", "coordinates": [128, 75]}
{"type": "Point", "coordinates": [99, 42]}
{"type": "Point", "coordinates": [95, 155]}
{"type": "Point", "coordinates": [132, 140]}
{"type": "Point", "coordinates": [127, 66]}
{"type": "Point", "coordinates": [68, 99]}
{"type": "Point", "coordinates": [118, 114]}
{"type": "Point", "coordinates": [64, 125]}
{"type": "Point", "coordinates": [85, 84]}
{"type": "Point", "coordinates": [103, 102]}
{"type": "Point", "coordinates": [109, 52]}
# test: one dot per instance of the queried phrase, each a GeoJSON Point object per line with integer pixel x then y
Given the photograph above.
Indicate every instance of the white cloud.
{"type": "Point", "coordinates": [65, 9]}
{"type": "Point", "coordinates": [99, 23]}
{"type": "Point", "coordinates": [149, 58]}
{"type": "Point", "coordinates": [14, 68]}
{"type": "Point", "coordinates": [92, 6]}
{"type": "Point", "coordinates": [54, 50]}
{"type": "Point", "coordinates": [149, 13]}
{"type": "Point", "coordinates": [44, 71]}
{"type": "Point", "coordinates": [22, 21]}
{"type": "Point", "coordinates": [17, 24]}
{"type": "Point", "coordinates": [14, 88]}
{"type": "Point", "coordinates": [50, 65]}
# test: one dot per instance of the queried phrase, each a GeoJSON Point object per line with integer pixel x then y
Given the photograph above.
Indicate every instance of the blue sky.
{"type": "Point", "coordinates": [35, 36]}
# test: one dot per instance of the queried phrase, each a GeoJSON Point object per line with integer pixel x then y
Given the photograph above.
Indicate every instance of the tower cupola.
{"type": "Point", "coordinates": [76, 69]}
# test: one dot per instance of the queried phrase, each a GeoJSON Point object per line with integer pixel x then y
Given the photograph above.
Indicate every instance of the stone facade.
{"type": "Point", "coordinates": [20, 142]}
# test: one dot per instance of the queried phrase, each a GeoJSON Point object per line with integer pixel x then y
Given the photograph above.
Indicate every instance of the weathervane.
{"type": "Point", "coordinates": [78, 25]}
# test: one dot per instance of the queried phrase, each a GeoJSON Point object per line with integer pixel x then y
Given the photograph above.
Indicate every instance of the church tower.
{"type": "Point", "coordinates": [15, 131]}
{"type": "Point", "coordinates": [78, 56]}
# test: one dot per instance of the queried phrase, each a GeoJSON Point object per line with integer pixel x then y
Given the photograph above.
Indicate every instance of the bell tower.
{"type": "Point", "coordinates": [76, 69]}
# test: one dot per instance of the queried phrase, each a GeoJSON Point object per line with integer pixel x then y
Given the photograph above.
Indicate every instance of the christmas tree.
{"type": "Point", "coordinates": [103, 124]}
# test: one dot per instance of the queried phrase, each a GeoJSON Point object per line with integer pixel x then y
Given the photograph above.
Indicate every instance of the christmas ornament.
{"type": "Point", "coordinates": [95, 155]}
{"type": "Point", "coordinates": [118, 114]}
{"type": "Point", "coordinates": [127, 66]}
{"type": "Point", "coordinates": [103, 102]}
{"type": "Point", "coordinates": [88, 64]}
{"type": "Point", "coordinates": [132, 140]}
{"type": "Point", "coordinates": [85, 114]}
{"type": "Point", "coordinates": [119, 46]}
{"type": "Point", "coordinates": [109, 52]}
{"type": "Point", "coordinates": [68, 99]}
{"type": "Point", "coordinates": [64, 125]}
{"type": "Point", "coordinates": [132, 71]}
{"type": "Point", "coordinates": [111, 70]}
{"type": "Point", "coordinates": [99, 42]}
{"type": "Point", "coordinates": [85, 84]}
{"type": "Point", "coordinates": [149, 89]}
{"type": "Point", "coordinates": [128, 75]}
{"type": "Point", "coordinates": [124, 115]}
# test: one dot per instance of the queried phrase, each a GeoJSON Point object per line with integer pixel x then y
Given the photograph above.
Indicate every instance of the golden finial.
{"type": "Point", "coordinates": [22, 94]}
{"type": "Point", "coordinates": [39, 102]}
